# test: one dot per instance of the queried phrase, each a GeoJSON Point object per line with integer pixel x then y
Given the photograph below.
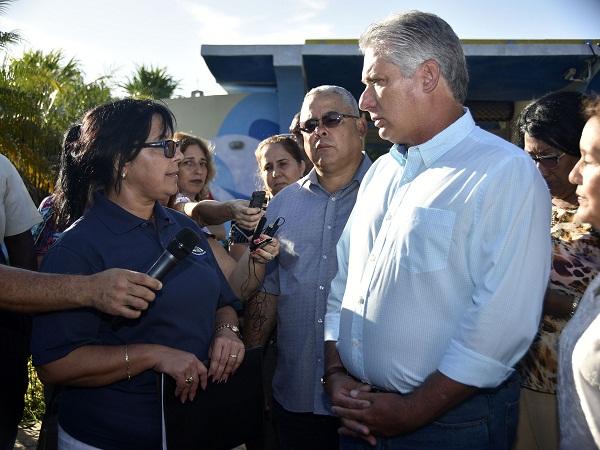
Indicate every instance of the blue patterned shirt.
{"type": "Point", "coordinates": [314, 220]}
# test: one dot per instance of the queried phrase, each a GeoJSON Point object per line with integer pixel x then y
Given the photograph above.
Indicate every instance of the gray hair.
{"type": "Point", "coordinates": [409, 39]}
{"type": "Point", "coordinates": [346, 97]}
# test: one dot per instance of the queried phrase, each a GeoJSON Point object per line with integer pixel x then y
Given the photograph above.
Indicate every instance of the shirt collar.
{"type": "Point", "coordinates": [311, 177]}
{"type": "Point", "coordinates": [120, 221]}
{"type": "Point", "coordinates": [441, 143]}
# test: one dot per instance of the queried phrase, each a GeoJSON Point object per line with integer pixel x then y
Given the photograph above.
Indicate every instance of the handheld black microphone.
{"type": "Point", "coordinates": [180, 246]}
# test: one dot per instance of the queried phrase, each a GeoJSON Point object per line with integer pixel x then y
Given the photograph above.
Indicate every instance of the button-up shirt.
{"type": "Point", "coordinates": [443, 264]}
{"type": "Point", "coordinates": [314, 220]}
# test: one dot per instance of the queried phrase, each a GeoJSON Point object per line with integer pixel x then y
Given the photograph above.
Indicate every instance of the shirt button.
{"type": "Point", "coordinates": [329, 227]}
{"type": "Point", "coordinates": [333, 199]}
{"type": "Point", "coordinates": [355, 342]}
{"type": "Point", "coordinates": [361, 301]}
{"type": "Point", "coordinates": [319, 320]}
{"type": "Point", "coordinates": [324, 256]}
{"type": "Point", "coordinates": [321, 287]}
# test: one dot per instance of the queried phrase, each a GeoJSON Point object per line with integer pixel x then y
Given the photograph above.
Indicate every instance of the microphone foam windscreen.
{"type": "Point", "coordinates": [183, 243]}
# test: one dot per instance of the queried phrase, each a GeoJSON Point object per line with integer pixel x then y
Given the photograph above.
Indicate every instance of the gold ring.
{"type": "Point", "coordinates": [189, 380]}
{"type": "Point", "coordinates": [233, 356]}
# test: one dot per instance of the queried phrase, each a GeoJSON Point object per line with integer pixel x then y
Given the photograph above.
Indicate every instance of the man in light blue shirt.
{"type": "Point", "coordinates": [443, 264]}
{"type": "Point", "coordinates": [315, 209]}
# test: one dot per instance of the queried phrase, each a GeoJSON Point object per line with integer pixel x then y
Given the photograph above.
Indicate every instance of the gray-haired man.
{"type": "Point", "coordinates": [444, 261]}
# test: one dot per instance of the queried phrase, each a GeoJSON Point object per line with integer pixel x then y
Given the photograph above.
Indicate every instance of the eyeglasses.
{"type": "Point", "coordinates": [169, 146]}
{"type": "Point", "coordinates": [547, 161]}
{"type": "Point", "coordinates": [331, 119]}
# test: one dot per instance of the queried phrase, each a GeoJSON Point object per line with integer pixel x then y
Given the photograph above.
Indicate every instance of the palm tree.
{"type": "Point", "coordinates": [150, 82]}
{"type": "Point", "coordinates": [41, 95]}
{"type": "Point", "coordinates": [7, 37]}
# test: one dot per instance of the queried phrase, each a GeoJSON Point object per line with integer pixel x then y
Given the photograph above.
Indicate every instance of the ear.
{"type": "Point", "coordinates": [362, 126]}
{"type": "Point", "coordinates": [430, 75]}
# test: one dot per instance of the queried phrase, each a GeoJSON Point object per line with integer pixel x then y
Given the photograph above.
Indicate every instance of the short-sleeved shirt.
{"type": "Point", "coordinates": [126, 414]}
{"type": "Point", "coordinates": [17, 211]}
{"type": "Point", "coordinates": [314, 220]}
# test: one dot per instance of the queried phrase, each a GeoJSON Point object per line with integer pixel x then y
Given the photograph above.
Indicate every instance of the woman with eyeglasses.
{"type": "Point", "coordinates": [549, 130]}
{"type": "Point", "coordinates": [280, 162]}
{"type": "Point", "coordinates": [124, 164]}
{"type": "Point", "coordinates": [579, 365]}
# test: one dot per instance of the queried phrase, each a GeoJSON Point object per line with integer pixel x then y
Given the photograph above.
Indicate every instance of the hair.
{"type": "Point", "coordinates": [591, 107]}
{"type": "Point", "coordinates": [185, 140]}
{"type": "Point", "coordinates": [288, 143]}
{"type": "Point", "coordinates": [295, 130]}
{"type": "Point", "coordinates": [409, 39]}
{"type": "Point", "coordinates": [110, 136]}
{"type": "Point", "coordinates": [346, 97]}
{"type": "Point", "coordinates": [67, 173]}
{"type": "Point", "coordinates": [556, 119]}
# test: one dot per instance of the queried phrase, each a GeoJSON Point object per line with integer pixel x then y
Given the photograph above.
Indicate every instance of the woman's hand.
{"type": "Point", "coordinates": [185, 368]}
{"type": "Point", "coordinates": [244, 216]}
{"type": "Point", "coordinates": [268, 252]}
{"type": "Point", "coordinates": [226, 354]}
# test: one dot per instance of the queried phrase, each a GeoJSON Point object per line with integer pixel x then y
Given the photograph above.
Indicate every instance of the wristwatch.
{"type": "Point", "coordinates": [231, 327]}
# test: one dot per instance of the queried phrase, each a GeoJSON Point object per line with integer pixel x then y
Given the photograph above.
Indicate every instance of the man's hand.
{"type": "Point", "coordinates": [387, 415]}
{"type": "Point", "coordinates": [121, 292]}
{"type": "Point", "coordinates": [340, 387]}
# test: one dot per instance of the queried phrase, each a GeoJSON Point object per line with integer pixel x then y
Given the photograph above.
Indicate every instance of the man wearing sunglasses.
{"type": "Point", "coordinates": [444, 261]}
{"type": "Point", "coordinates": [315, 209]}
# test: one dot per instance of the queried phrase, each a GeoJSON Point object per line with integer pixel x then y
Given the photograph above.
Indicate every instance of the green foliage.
{"type": "Point", "coordinates": [150, 82]}
{"type": "Point", "coordinates": [34, 399]}
{"type": "Point", "coordinates": [41, 95]}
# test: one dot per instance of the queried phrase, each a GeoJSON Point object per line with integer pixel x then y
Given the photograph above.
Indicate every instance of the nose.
{"type": "Point", "coordinates": [365, 102]}
{"type": "Point", "coordinates": [575, 174]}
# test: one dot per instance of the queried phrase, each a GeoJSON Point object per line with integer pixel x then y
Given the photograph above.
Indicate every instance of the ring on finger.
{"type": "Point", "coordinates": [189, 380]}
{"type": "Point", "coordinates": [233, 355]}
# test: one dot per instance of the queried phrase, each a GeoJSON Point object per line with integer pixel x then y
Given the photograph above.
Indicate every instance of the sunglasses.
{"type": "Point", "coordinates": [547, 161]}
{"type": "Point", "coordinates": [331, 119]}
{"type": "Point", "coordinates": [169, 146]}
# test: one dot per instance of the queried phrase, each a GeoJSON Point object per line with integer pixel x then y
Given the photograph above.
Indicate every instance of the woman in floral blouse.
{"type": "Point", "coordinates": [549, 130]}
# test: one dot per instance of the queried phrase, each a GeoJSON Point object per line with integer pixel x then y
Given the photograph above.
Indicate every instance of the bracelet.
{"type": "Point", "coordinates": [127, 364]}
{"type": "Point", "coordinates": [230, 327]}
{"type": "Point", "coordinates": [574, 306]}
{"type": "Point", "coordinates": [331, 371]}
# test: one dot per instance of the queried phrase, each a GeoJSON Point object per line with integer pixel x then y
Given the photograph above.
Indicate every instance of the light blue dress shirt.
{"type": "Point", "coordinates": [314, 220]}
{"type": "Point", "coordinates": [443, 263]}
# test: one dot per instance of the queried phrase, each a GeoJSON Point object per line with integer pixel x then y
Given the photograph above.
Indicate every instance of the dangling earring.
{"type": "Point", "coordinates": [123, 174]}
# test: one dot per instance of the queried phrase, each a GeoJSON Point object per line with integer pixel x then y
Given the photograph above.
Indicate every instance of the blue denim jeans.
{"type": "Point", "coordinates": [486, 421]}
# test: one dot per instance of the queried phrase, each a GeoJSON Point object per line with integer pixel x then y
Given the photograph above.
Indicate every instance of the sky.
{"type": "Point", "coordinates": [115, 36]}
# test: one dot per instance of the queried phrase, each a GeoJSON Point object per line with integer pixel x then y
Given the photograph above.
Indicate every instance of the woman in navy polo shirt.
{"type": "Point", "coordinates": [122, 165]}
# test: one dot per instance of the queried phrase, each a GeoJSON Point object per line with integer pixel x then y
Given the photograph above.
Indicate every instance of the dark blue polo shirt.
{"type": "Point", "coordinates": [126, 414]}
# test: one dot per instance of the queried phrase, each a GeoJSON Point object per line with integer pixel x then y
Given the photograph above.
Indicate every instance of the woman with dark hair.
{"type": "Point", "coordinates": [280, 162]}
{"type": "Point", "coordinates": [579, 366]}
{"type": "Point", "coordinates": [549, 130]}
{"type": "Point", "coordinates": [121, 167]}
{"type": "Point", "coordinates": [51, 227]}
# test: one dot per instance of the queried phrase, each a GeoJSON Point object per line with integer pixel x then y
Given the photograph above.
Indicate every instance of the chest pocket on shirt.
{"type": "Point", "coordinates": [426, 241]}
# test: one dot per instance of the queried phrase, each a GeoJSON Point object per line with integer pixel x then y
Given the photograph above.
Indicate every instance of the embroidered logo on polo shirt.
{"type": "Point", "coordinates": [198, 251]}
